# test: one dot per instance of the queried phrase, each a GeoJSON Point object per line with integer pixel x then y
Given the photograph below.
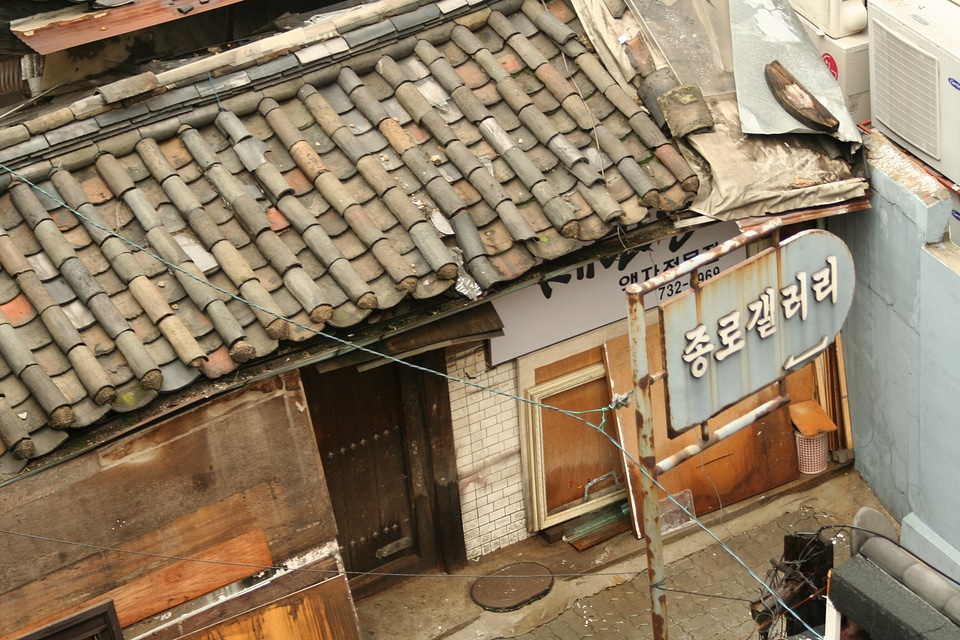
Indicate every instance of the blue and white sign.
{"type": "Point", "coordinates": [755, 323]}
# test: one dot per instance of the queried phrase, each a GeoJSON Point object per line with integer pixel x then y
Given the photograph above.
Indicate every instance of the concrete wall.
{"type": "Point", "coordinates": [486, 430]}
{"type": "Point", "coordinates": [902, 349]}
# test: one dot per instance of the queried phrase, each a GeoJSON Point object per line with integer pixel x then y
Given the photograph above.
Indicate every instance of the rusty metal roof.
{"type": "Point", "coordinates": [73, 26]}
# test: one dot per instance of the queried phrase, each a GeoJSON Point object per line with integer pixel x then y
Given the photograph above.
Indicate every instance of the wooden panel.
{"type": "Point", "coordinates": [323, 612]}
{"type": "Point", "coordinates": [752, 461]}
{"type": "Point", "coordinates": [272, 591]}
{"type": "Point", "coordinates": [573, 453]}
{"type": "Point", "coordinates": [241, 463]}
{"type": "Point", "coordinates": [181, 581]}
{"type": "Point", "coordinates": [59, 30]}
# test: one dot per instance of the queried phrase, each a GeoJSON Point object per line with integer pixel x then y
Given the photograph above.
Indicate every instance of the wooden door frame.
{"type": "Point", "coordinates": [529, 387]}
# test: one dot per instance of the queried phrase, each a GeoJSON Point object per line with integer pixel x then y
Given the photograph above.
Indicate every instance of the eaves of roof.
{"type": "Point", "coordinates": [62, 29]}
{"type": "Point", "coordinates": [175, 228]}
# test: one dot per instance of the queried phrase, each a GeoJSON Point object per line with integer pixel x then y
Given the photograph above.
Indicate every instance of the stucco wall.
{"type": "Point", "coordinates": [902, 349]}
{"type": "Point", "coordinates": [486, 430]}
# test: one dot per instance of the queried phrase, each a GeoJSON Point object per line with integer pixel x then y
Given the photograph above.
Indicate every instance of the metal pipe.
{"type": "Point", "coordinates": [684, 268]}
{"type": "Point", "coordinates": [722, 433]}
{"type": "Point", "coordinates": [650, 498]}
{"type": "Point", "coordinates": [642, 381]}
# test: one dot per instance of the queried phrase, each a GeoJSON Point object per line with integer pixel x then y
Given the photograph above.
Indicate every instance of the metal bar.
{"type": "Point", "coordinates": [650, 503]}
{"type": "Point", "coordinates": [642, 381]}
{"type": "Point", "coordinates": [722, 433]}
{"type": "Point", "coordinates": [684, 268]}
{"type": "Point", "coordinates": [587, 487]}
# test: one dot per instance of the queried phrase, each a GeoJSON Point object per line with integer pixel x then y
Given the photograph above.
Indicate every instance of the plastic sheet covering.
{"type": "Point", "coordinates": [766, 30]}
{"type": "Point", "coordinates": [606, 34]}
{"type": "Point", "coordinates": [743, 176]}
{"type": "Point", "coordinates": [694, 37]}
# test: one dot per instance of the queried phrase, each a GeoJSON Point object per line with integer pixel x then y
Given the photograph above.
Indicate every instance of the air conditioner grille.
{"type": "Point", "coordinates": [905, 93]}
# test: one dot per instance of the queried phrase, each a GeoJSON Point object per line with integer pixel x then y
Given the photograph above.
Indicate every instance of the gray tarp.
{"type": "Point", "coordinates": [764, 174]}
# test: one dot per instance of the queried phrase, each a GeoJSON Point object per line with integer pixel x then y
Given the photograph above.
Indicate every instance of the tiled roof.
{"type": "Point", "coordinates": [319, 184]}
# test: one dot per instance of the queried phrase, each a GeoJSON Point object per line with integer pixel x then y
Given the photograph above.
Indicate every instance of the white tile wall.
{"type": "Point", "coordinates": [486, 429]}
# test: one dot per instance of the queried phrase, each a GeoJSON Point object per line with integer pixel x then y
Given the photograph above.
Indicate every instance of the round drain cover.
{"type": "Point", "coordinates": [512, 587]}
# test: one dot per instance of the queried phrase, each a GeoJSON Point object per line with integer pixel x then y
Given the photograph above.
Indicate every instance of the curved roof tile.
{"type": "Point", "coordinates": [191, 225]}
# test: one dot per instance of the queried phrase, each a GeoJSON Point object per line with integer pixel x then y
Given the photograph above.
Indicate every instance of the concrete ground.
{"type": "Point", "coordinates": [603, 592]}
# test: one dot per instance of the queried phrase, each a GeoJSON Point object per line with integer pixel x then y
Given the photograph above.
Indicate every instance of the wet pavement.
{"type": "Point", "coordinates": [603, 592]}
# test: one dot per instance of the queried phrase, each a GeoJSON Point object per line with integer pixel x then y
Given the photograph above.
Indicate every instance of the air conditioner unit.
{"type": "Point", "coordinates": [836, 18]}
{"type": "Point", "coordinates": [849, 62]}
{"type": "Point", "coordinates": [915, 78]}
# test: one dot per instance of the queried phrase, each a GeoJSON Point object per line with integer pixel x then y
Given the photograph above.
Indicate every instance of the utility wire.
{"type": "Point", "coordinates": [575, 415]}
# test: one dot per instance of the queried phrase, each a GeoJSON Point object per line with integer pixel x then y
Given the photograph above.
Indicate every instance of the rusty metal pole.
{"type": "Point", "coordinates": [650, 497]}
{"type": "Point", "coordinates": [642, 380]}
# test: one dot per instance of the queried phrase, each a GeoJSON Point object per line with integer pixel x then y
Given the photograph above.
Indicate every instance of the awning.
{"type": "Point", "coordinates": [58, 30]}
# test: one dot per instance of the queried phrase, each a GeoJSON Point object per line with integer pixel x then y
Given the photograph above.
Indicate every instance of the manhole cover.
{"type": "Point", "coordinates": [512, 587]}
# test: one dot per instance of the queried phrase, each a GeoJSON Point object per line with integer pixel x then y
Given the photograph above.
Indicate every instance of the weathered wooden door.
{"type": "Point", "coordinates": [365, 425]}
{"type": "Point", "coordinates": [580, 463]}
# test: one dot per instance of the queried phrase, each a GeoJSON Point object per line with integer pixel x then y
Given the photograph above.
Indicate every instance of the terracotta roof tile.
{"type": "Point", "coordinates": [19, 311]}
{"type": "Point", "coordinates": [319, 202]}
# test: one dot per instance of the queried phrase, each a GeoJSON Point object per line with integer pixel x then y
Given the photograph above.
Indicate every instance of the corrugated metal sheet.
{"type": "Point", "coordinates": [11, 78]}
{"type": "Point", "coordinates": [58, 30]}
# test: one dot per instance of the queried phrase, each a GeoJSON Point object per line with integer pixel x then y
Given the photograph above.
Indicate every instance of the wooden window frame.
{"type": "Point", "coordinates": [531, 423]}
{"type": "Point", "coordinates": [98, 622]}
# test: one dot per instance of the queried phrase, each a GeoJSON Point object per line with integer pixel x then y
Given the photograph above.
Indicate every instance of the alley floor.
{"type": "Point", "coordinates": [603, 592]}
{"type": "Point", "coordinates": [709, 592]}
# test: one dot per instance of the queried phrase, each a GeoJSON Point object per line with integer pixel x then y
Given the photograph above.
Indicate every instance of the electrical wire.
{"type": "Point", "coordinates": [574, 415]}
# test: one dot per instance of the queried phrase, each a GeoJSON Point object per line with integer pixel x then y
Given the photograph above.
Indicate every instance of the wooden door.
{"type": "Point", "coordinates": [579, 461]}
{"type": "Point", "coordinates": [361, 428]}
{"type": "Point", "coordinates": [385, 437]}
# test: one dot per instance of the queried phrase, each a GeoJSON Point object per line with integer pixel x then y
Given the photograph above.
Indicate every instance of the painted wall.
{"type": "Point", "coordinates": [902, 349]}
{"type": "Point", "coordinates": [486, 429]}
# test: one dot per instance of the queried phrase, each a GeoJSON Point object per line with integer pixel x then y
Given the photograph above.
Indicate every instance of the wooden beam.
{"type": "Point", "coordinates": [58, 30]}
{"type": "Point", "coordinates": [844, 400]}
{"type": "Point", "coordinates": [443, 464]}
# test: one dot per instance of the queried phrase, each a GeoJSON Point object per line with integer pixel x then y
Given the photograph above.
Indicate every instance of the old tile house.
{"type": "Point", "coordinates": [228, 289]}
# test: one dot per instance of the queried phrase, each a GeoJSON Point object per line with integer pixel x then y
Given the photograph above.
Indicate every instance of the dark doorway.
{"type": "Point", "coordinates": [383, 437]}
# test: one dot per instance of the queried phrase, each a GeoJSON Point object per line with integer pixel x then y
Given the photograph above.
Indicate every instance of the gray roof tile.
{"type": "Point", "coordinates": [462, 132]}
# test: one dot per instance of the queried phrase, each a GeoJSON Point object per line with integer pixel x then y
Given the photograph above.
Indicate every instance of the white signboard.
{"type": "Point", "coordinates": [754, 324]}
{"type": "Point", "coordinates": [593, 296]}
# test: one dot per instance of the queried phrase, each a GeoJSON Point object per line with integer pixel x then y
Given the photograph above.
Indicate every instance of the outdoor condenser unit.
{"type": "Point", "coordinates": [915, 78]}
{"type": "Point", "coordinates": [836, 18]}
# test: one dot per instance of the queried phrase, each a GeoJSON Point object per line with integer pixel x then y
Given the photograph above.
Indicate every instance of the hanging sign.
{"type": "Point", "coordinates": [753, 324]}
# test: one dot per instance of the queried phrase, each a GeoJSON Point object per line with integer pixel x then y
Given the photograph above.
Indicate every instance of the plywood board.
{"type": "Point", "coordinates": [179, 582]}
{"type": "Point", "coordinates": [242, 463]}
{"type": "Point", "coordinates": [323, 612]}
{"type": "Point", "coordinates": [810, 418]}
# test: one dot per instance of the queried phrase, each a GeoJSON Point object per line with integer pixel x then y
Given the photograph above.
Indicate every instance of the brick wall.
{"type": "Point", "coordinates": [486, 429]}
